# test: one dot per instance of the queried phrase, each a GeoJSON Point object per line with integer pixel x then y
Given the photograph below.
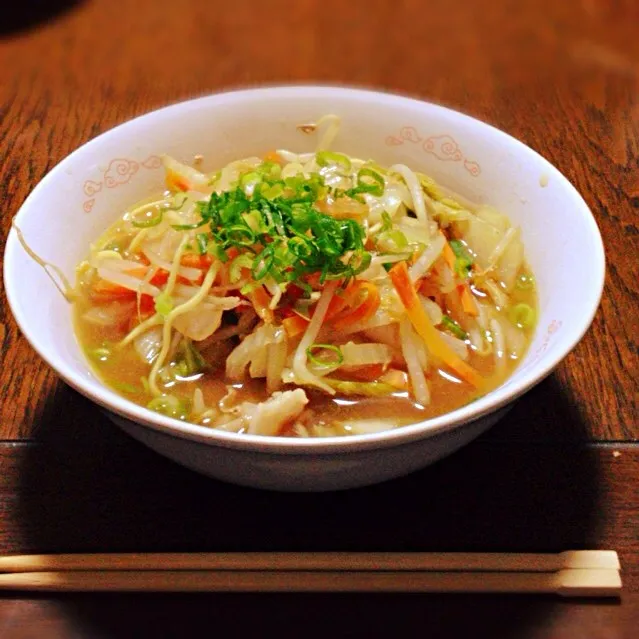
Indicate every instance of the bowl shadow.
{"type": "Point", "coordinates": [90, 488]}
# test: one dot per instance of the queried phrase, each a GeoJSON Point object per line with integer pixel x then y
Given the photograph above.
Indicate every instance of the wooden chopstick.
{"type": "Point", "coordinates": [316, 561]}
{"type": "Point", "coordinates": [568, 582]}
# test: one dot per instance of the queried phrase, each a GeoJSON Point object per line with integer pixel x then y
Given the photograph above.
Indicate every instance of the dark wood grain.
{"type": "Point", "coordinates": [562, 470]}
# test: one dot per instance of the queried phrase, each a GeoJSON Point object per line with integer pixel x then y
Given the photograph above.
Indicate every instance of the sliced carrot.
{"type": "Point", "coordinates": [159, 278]}
{"type": "Point", "coordinates": [419, 319]}
{"type": "Point", "coordinates": [261, 300]}
{"type": "Point", "coordinates": [368, 293]}
{"type": "Point", "coordinates": [274, 156]}
{"type": "Point", "coordinates": [294, 325]}
{"type": "Point", "coordinates": [297, 324]}
{"type": "Point", "coordinates": [313, 280]}
{"type": "Point", "coordinates": [104, 291]}
{"type": "Point", "coordinates": [195, 260]}
{"type": "Point", "coordinates": [468, 301]}
{"type": "Point", "coordinates": [449, 256]}
{"type": "Point", "coordinates": [147, 304]}
{"type": "Point", "coordinates": [428, 288]}
{"type": "Point", "coordinates": [338, 303]}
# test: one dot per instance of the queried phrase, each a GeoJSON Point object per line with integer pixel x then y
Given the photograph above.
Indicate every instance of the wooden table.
{"type": "Point", "coordinates": [560, 472]}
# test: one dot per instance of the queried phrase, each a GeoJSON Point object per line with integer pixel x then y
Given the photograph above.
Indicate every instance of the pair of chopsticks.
{"type": "Point", "coordinates": [579, 573]}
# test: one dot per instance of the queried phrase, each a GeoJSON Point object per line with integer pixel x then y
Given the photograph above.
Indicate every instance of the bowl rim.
{"type": "Point", "coordinates": [490, 403]}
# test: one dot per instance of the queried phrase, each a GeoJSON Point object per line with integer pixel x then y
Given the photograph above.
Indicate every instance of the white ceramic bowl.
{"type": "Point", "coordinates": [81, 196]}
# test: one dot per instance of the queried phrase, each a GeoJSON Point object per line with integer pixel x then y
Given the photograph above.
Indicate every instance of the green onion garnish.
{"type": "Point", "coordinates": [146, 216]}
{"type": "Point", "coordinates": [179, 200]}
{"type": "Point", "coordinates": [202, 243]}
{"type": "Point", "coordinates": [191, 361]}
{"type": "Point", "coordinates": [188, 227]}
{"type": "Point", "coordinates": [273, 191]}
{"type": "Point", "coordinates": [163, 304]}
{"type": "Point", "coordinates": [328, 362]}
{"type": "Point", "coordinates": [269, 170]}
{"type": "Point", "coordinates": [392, 241]}
{"type": "Point", "coordinates": [287, 236]}
{"type": "Point", "coordinates": [215, 250]}
{"type": "Point", "coordinates": [452, 326]}
{"type": "Point", "coordinates": [327, 158]}
{"type": "Point", "coordinates": [240, 235]}
{"type": "Point", "coordinates": [235, 268]}
{"type": "Point", "coordinates": [250, 178]}
{"type": "Point", "coordinates": [387, 222]}
{"type": "Point", "coordinates": [262, 263]}
{"type": "Point", "coordinates": [522, 315]}
{"type": "Point", "coordinates": [171, 406]}
{"type": "Point", "coordinates": [368, 181]}
{"type": "Point", "coordinates": [464, 261]}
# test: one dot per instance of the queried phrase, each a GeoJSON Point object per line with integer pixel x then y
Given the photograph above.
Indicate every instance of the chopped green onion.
{"type": "Point", "coordinates": [240, 235]}
{"type": "Point", "coordinates": [163, 304]}
{"type": "Point", "coordinates": [215, 250]}
{"type": "Point", "coordinates": [370, 164]}
{"type": "Point", "coordinates": [392, 241]}
{"type": "Point", "coordinates": [250, 178]}
{"type": "Point", "coordinates": [240, 262]}
{"type": "Point", "coordinates": [360, 261]}
{"type": "Point", "coordinates": [253, 221]}
{"type": "Point", "coordinates": [262, 263]}
{"type": "Point", "coordinates": [213, 178]}
{"type": "Point", "coordinates": [171, 406]}
{"type": "Point", "coordinates": [192, 361]}
{"type": "Point", "coordinates": [464, 261]}
{"type": "Point", "coordinates": [522, 315]}
{"type": "Point", "coordinates": [387, 222]}
{"type": "Point", "coordinates": [202, 242]}
{"type": "Point", "coordinates": [370, 181]}
{"type": "Point", "coordinates": [525, 282]}
{"type": "Point", "coordinates": [452, 326]}
{"type": "Point", "coordinates": [325, 363]}
{"type": "Point", "coordinates": [249, 288]}
{"type": "Point", "coordinates": [273, 191]}
{"type": "Point", "coordinates": [287, 235]}
{"type": "Point", "coordinates": [270, 170]}
{"type": "Point", "coordinates": [326, 158]}
{"type": "Point", "coordinates": [146, 216]}
{"type": "Point", "coordinates": [188, 227]}
{"type": "Point", "coordinates": [429, 186]}
{"type": "Point", "coordinates": [179, 199]}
